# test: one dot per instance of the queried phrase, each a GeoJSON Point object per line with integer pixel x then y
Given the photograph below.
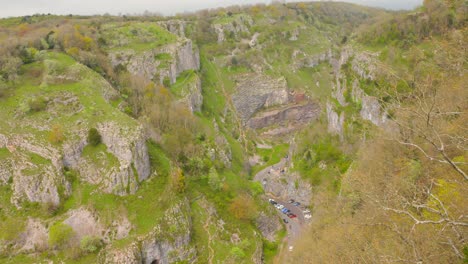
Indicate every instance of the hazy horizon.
{"type": "Point", "coordinates": [115, 7]}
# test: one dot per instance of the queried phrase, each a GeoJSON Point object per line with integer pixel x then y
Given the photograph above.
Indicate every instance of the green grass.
{"type": "Point", "coordinates": [181, 87]}
{"type": "Point", "coordinates": [100, 156]}
{"type": "Point", "coordinates": [226, 19]}
{"type": "Point", "coordinates": [270, 156]}
{"type": "Point", "coordinates": [136, 36]}
{"type": "Point", "coordinates": [4, 153]}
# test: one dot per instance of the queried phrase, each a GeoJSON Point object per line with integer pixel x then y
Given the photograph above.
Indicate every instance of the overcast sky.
{"type": "Point", "coordinates": [166, 7]}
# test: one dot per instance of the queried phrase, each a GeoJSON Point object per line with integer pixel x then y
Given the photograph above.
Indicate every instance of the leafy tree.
{"type": "Point", "coordinates": [178, 180]}
{"type": "Point", "coordinates": [90, 244]}
{"type": "Point", "coordinates": [60, 235]}
{"type": "Point", "coordinates": [38, 104]}
{"type": "Point", "coordinates": [243, 207]}
{"type": "Point", "coordinates": [94, 138]}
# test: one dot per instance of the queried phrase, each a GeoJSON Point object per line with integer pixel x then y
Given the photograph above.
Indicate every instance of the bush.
{"type": "Point", "coordinates": [90, 244]}
{"type": "Point", "coordinates": [243, 207]}
{"type": "Point", "coordinates": [94, 138]}
{"type": "Point", "coordinates": [60, 235]}
{"type": "Point", "coordinates": [237, 252]}
{"type": "Point", "coordinates": [38, 104]}
{"type": "Point", "coordinates": [56, 134]}
{"type": "Point", "coordinates": [178, 181]}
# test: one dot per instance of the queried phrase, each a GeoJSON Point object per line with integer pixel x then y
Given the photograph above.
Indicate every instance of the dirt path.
{"type": "Point", "coordinates": [206, 227]}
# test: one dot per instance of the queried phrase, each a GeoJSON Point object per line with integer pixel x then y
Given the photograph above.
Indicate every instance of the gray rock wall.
{"type": "Point", "coordinates": [184, 57]}
{"type": "Point", "coordinates": [335, 121]}
{"type": "Point", "coordinates": [255, 91]}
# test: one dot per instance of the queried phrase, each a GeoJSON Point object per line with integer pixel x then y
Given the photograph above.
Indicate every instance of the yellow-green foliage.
{"type": "Point", "coordinates": [60, 235]}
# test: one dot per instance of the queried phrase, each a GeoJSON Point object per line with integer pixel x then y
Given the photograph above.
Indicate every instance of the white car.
{"type": "Point", "coordinates": [307, 216]}
{"type": "Point", "coordinates": [280, 206]}
{"type": "Point", "coordinates": [291, 248]}
{"type": "Point", "coordinates": [306, 211]}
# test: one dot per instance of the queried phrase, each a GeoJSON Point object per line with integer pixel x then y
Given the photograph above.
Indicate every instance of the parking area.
{"type": "Point", "coordinates": [294, 215]}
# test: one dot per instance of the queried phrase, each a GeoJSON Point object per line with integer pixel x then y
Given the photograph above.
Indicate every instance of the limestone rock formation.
{"type": "Point", "coordinates": [163, 245]}
{"type": "Point", "coordinates": [120, 167]}
{"type": "Point", "coordinates": [161, 63]}
{"type": "Point", "coordinates": [292, 114]}
{"type": "Point", "coordinates": [192, 94]}
{"type": "Point", "coordinates": [234, 25]}
{"type": "Point", "coordinates": [371, 108]}
{"type": "Point", "coordinates": [34, 238]}
{"type": "Point", "coordinates": [268, 224]}
{"type": "Point", "coordinates": [83, 223]}
{"type": "Point", "coordinates": [176, 27]}
{"type": "Point", "coordinates": [335, 121]}
{"type": "Point", "coordinates": [256, 91]}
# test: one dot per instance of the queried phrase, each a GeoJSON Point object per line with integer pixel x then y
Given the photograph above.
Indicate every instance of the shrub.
{"type": "Point", "coordinates": [167, 82]}
{"type": "Point", "coordinates": [60, 235]}
{"type": "Point", "coordinates": [94, 138]}
{"type": "Point", "coordinates": [178, 180]}
{"type": "Point", "coordinates": [56, 134]}
{"type": "Point", "coordinates": [90, 244]}
{"type": "Point", "coordinates": [3, 89]}
{"type": "Point", "coordinates": [243, 207]}
{"type": "Point", "coordinates": [237, 252]}
{"type": "Point", "coordinates": [38, 104]}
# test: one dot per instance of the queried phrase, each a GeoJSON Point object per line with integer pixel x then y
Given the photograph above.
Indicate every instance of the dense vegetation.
{"type": "Point", "coordinates": [379, 194]}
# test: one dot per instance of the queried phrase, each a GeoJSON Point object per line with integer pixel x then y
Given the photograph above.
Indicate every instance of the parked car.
{"type": "Point", "coordinates": [291, 248]}
{"type": "Point", "coordinates": [291, 201]}
{"type": "Point", "coordinates": [292, 216]}
{"type": "Point", "coordinates": [273, 202]}
{"type": "Point", "coordinates": [307, 216]}
{"type": "Point", "coordinates": [280, 206]}
{"type": "Point", "coordinates": [285, 220]}
{"type": "Point", "coordinates": [285, 210]}
{"type": "Point", "coordinates": [297, 203]}
{"type": "Point", "coordinates": [307, 211]}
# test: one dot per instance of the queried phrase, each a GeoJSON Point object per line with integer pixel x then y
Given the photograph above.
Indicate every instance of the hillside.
{"type": "Point", "coordinates": [146, 139]}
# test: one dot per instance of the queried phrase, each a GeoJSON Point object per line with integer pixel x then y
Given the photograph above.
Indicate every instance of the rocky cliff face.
{"type": "Point", "coordinates": [177, 58]}
{"type": "Point", "coordinates": [192, 94]}
{"type": "Point", "coordinates": [371, 108]}
{"type": "Point", "coordinates": [121, 167]}
{"type": "Point", "coordinates": [269, 224]}
{"type": "Point", "coordinates": [35, 170]}
{"type": "Point", "coordinates": [293, 115]}
{"type": "Point", "coordinates": [335, 121]}
{"type": "Point", "coordinates": [169, 242]}
{"type": "Point", "coordinates": [34, 238]}
{"type": "Point", "coordinates": [255, 91]}
{"type": "Point", "coordinates": [234, 26]}
{"type": "Point", "coordinates": [176, 27]}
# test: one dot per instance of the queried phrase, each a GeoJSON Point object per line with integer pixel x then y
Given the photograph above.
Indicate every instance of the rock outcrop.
{"type": "Point", "coordinates": [371, 109]}
{"type": "Point", "coordinates": [256, 91]}
{"type": "Point", "coordinates": [121, 166]}
{"type": "Point", "coordinates": [294, 115]}
{"type": "Point", "coordinates": [278, 181]}
{"type": "Point", "coordinates": [84, 223]}
{"type": "Point", "coordinates": [169, 241]}
{"type": "Point", "coordinates": [176, 27]}
{"type": "Point", "coordinates": [335, 121]}
{"type": "Point", "coordinates": [233, 25]}
{"type": "Point", "coordinates": [166, 62]}
{"type": "Point", "coordinates": [34, 238]}
{"type": "Point", "coordinates": [192, 94]}
{"type": "Point", "coordinates": [269, 225]}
